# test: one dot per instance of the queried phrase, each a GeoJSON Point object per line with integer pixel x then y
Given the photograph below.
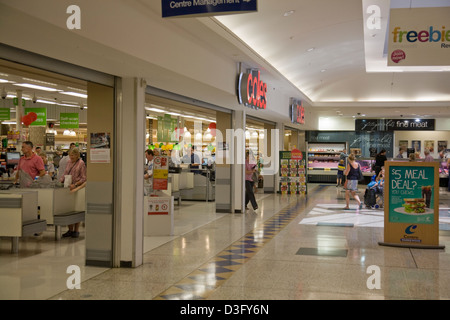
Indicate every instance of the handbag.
{"type": "Point", "coordinates": [255, 176]}
{"type": "Point", "coordinates": [360, 174]}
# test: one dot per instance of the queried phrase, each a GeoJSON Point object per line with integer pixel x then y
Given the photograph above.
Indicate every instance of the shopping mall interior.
{"type": "Point", "coordinates": [189, 232]}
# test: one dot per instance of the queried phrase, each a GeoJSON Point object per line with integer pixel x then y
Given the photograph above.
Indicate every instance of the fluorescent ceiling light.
{"type": "Point", "coordinates": [3, 81]}
{"type": "Point", "coordinates": [68, 105]}
{"type": "Point", "coordinates": [41, 82]}
{"type": "Point", "coordinates": [76, 89]}
{"type": "Point", "coordinates": [75, 94]}
{"type": "Point", "coordinates": [33, 86]}
{"type": "Point", "coordinates": [45, 101]}
{"type": "Point", "coordinates": [154, 109]}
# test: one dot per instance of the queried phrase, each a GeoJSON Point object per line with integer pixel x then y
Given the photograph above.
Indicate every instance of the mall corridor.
{"type": "Point", "coordinates": [279, 252]}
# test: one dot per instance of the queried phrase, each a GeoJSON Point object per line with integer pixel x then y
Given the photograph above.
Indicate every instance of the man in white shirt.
{"type": "Point", "coordinates": [63, 163]}
{"type": "Point", "coordinates": [148, 181]}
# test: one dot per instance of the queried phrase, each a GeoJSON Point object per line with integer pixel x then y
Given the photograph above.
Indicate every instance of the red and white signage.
{"type": "Point", "coordinates": [252, 91]}
{"type": "Point", "coordinates": [297, 112]}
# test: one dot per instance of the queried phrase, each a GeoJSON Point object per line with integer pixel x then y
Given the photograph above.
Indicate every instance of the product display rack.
{"type": "Point", "coordinates": [323, 159]}
{"type": "Point", "coordinates": [292, 172]}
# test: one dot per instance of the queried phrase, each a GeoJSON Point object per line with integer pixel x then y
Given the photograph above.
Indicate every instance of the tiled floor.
{"type": "Point", "coordinates": [278, 252]}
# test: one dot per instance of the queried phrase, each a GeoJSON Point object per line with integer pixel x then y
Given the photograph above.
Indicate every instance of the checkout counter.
{"type": "Point", "coordinates": [26, 211]}
{"type": "Point", "coordinates": [19, 216]}
{"type": "Point", "coordinates": [194, 183]}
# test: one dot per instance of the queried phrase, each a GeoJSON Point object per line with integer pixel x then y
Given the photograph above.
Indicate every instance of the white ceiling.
{"type": "Point", "coordinates": [40, 88]}
{"type": "Point", "coordinates": [320, 48]}
{"type": "Point", "coordinates": [333, 78]}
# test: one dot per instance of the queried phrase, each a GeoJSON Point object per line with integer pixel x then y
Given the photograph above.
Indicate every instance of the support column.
{"type": "Point", "coordinates": [271, 155]}
{"type": "Point", "coordinates": [237, 147]}
{"type": "Point", "coordinates": [130, 189]}
{"type": "Point", "coordinates": [100, 208]}
{"type": "Point", "coordinates": [223, 165]}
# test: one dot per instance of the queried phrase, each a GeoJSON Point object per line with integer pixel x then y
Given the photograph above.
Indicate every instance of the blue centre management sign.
{"type": "Point", "coordinates": [172, 8]}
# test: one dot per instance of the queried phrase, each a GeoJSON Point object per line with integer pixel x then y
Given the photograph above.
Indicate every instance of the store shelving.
{"type": "Point", "coordinates": [323, 160]}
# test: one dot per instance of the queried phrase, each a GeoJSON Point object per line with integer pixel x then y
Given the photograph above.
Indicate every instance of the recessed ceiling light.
{"type": "Point", "coordinates": [288, 13]}
{"type": "Point", "coordinates": [310, 49]}
{"type": "Point", "coordinates": [323, 70]}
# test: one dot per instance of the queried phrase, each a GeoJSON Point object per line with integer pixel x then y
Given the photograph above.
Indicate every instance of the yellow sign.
{"type": "Point", "coordinates": [160, 174]}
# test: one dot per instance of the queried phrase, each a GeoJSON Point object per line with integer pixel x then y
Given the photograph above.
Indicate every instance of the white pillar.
{"type": "Point", "coordinates": [131, 148]}
{"type": "Point", "coordinates": [237, 145]}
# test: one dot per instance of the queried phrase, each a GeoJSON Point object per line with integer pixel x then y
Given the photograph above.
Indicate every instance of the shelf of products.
{"type": "Point", "coordinates": [325, 156]}
{"type": "Point", "coordinates": [323, 159]}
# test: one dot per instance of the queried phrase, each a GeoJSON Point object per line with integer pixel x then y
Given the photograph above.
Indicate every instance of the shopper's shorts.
{"type": "Point", "coordinates": [340, 174]}
{"type": "Point", "coordinates": [352, 185]}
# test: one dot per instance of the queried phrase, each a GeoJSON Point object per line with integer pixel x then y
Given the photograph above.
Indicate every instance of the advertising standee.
{"type": "Point", "coordinates": [411, 211]}
{"type": "Point", "coordinates": [292, 172]}
{"type": "Point", "coordinates": [419, 37]}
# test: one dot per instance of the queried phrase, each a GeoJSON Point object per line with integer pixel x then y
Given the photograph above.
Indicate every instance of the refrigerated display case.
{"type": "Point", "coordinates": [323, 160]}
{"type": "Point", "coordinates": [366, 166]}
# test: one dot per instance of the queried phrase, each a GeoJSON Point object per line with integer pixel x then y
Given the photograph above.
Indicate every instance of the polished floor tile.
{"type": "Point", "coordinates": [249, 256]}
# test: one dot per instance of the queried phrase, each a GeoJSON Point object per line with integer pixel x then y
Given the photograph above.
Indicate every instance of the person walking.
{"type": "Point", "coordinates": [340, 173]}
{"type": "Point", "coordinates": [249, 169]}
{"type": "Point", "coordinates": [351, 183]}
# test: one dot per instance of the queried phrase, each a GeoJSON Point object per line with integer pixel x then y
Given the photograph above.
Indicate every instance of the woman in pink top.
{"type": "Point", "coordinates": [249, 195]}
{"type": "Point", "coordinates": [77, 169]}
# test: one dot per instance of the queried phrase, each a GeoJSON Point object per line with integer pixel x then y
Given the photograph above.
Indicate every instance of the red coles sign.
{"type": "Point", "coordinates": [252, 91]}
{"type": "Point", "coordinates": [297, 112]}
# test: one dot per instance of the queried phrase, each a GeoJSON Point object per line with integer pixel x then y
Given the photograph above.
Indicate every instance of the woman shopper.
{"type": "Point", "coordinates": [351, 183]}
{"type": "Point", "coordinates": [77, 169]}
{"type": "Point", "coordinates": [379, 161]}
{"type": "Point", "coordinates": [249, 169]}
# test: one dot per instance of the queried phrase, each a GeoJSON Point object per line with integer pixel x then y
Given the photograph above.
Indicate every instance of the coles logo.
{"type": "Point", "coordinates": [297, 112]}
{"type": "Point", "coordinates": [252, 91]}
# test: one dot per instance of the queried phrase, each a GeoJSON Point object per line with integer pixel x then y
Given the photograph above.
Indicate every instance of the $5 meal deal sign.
{"type": "Point", "coordinates": [411, 199]}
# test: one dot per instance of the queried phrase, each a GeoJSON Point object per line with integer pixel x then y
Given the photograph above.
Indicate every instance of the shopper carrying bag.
{"type": "Point", "coordinates": [352, 172]}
